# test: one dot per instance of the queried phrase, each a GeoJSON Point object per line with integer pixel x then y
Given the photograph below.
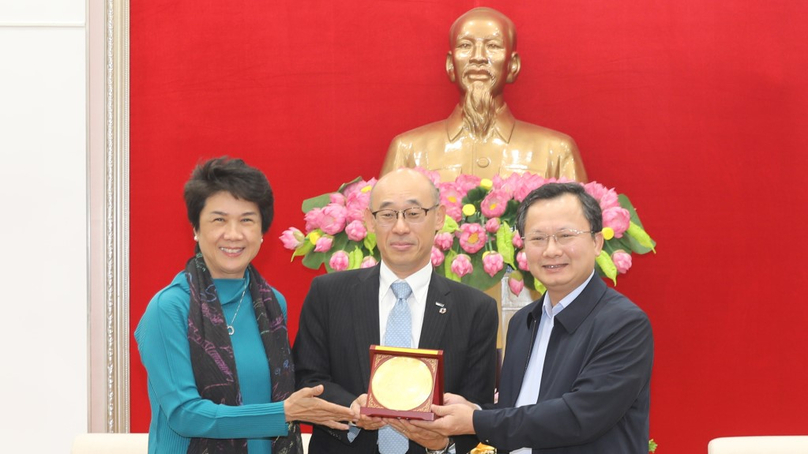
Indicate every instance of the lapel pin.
{"type": "Point", "coordinates": [441, 306]}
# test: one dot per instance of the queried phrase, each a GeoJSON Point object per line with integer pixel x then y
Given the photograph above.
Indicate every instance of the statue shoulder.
{"type": "Point", "coordinates": [405, 147]}
{"type": "Point", "coordinates": [540, 134]}
{"type": "Point", "coordinates": [556, 148]}
{"type": "Point", "coordinates": [549, 134]}
{"type": "Point", "coordinates": [430, 131]}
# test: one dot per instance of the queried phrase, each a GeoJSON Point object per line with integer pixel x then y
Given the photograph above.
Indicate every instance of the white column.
{"type": "Point", "coordinates": [43, 224]}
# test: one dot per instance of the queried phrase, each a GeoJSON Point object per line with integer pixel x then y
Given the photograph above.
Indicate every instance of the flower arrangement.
{"type": "Point", "coordinates": [478, 242]}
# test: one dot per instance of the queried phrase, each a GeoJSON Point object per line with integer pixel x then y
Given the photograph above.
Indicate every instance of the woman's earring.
{"type": "Point", "coordinates": [195, 238]}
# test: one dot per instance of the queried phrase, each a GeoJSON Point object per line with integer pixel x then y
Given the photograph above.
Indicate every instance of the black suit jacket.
{"type": "Point", "coordinates": [595, 385]}
{"type": "Point", "coordinates": [340, 321]}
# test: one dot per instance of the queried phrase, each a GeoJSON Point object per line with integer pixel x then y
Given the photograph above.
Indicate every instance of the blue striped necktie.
{"type": "Point", "coordinates": [397, 334]}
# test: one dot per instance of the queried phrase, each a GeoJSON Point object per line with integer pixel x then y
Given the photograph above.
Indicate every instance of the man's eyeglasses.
{"type": "Point", "coordinates": [562, 237]}
{"type": "Point", "coordinates": [412, 215]}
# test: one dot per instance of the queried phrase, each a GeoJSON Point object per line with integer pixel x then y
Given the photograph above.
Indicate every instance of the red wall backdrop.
{"type": "Point", "coordinates": [696, 110]}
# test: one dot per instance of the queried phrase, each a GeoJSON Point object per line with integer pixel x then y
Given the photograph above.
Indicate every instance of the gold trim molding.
{"type": "Point", "coordinates": [108, 223]}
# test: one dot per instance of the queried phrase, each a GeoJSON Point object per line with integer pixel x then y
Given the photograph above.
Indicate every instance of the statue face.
{"type": "Point", "coordinates": [482, 53]}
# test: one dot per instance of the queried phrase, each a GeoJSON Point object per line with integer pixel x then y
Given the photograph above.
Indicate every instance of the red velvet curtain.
{"type": "Point", "coordinates": [696, 110]}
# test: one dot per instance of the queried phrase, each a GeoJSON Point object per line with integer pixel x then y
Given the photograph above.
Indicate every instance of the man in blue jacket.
{"type": "Point", "coordinates": [577, 370]}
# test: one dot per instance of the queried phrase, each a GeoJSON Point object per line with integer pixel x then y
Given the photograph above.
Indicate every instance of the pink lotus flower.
{"type": "Point", "coordinates": [339, 261]}
{"type": "Point", "coordinates": [509, 184]}
{"type": "Point", "coordinates": [527, 183]}
{"type": "Point", "coordinates": [521, 261]}
{"type": "Point", "coordinates": [461, 265]}
{"type": "Point", "coordinates": [607, 198]}
{"type": "Point", "coordinates": [359, 186]}
{"type": "Point", "coordinates": [444, 240]}
{"type": "Point", "coordinates": [618, 219]}
{"type": "Point", "coordinates": [337, 197]}
{"type": "Point", "coordinates": [333, 220]}
{"type": "Point", "coordinates": [492, 225]}
{"type": "Point", "coordinates": [495, 203]}
{"type": "Point", "coordinates": [622, 261]}
{"type": "Point", "coordinates": [356, 231]}
{"type": "Point", "coordinates": [312, 219]}
{"type": "Point", "coordinates": [292, 238]}
{"type": "Point", "coordinates": [433, 176]}
{"type": "Point", "coordinates": [517, 240]}
{"type": "Point", "coordinates": [516, 284]}
{"type": "Point", "coordinates": [492, 263]}
{"type": "Point", "coordinates": [455, 212]}
{"type": "Point", "coordinates": [472, 237]}
{"type": "Point", "coordinates": [437, 257]}
{"type": "Point", "coordinates": [466, 183]}
{"type": "Point", "coordinates": [452, 198]}
{"type": "Point", "coordinates": [323, 243]}
{"type": "Point", "coordinates": [355, 204]}
{"type": "Point", "coordinates": [368, 262]}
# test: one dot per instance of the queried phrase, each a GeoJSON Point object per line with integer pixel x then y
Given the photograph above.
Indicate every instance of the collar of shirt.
{"type": "Point", "coordinates": [230, 290]}
{"type": "Point", "coordinates": [551, 311]}
{"type": "Point", "coordinates": [419, 283]}
{"type": "Point", "coordinates": [503, 126]}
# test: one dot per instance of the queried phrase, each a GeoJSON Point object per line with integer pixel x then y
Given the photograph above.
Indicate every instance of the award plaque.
{"type": "Point", "coordinates": [404, 382]}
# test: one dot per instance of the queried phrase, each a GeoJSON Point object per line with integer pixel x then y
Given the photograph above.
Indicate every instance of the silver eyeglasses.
{"type": "Point", "coordinates": [562, 237]}
{"type": "Point", "coordinates": [412, 215]}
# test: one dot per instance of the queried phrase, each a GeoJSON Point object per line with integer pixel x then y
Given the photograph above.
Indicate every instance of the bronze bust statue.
{"type": "Point", "coordinates": [481, 137]}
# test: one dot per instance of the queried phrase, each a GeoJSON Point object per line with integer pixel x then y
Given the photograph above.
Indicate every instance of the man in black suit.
{"type": "Point", "coordinates": [345, 313]}
{"type": "Point", "coordinates": [577, 369]}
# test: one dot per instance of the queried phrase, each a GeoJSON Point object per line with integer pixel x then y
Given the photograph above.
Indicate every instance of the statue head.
{"type": "Point", "coordinates": [482, 45]}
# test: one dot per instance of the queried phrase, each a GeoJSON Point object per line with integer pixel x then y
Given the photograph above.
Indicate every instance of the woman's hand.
{"type": "Point", "coordinates": [303, 405]}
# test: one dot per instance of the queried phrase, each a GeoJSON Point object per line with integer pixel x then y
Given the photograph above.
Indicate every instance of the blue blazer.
{"type": "Point", "coordinates": [595, 386]}
{"type": "Point", "coordinates": [340, 321]}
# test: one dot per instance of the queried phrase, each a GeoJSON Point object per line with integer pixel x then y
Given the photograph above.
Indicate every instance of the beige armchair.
{"type": "Point", "coordinates": [105, 443]}
{"type": "Point", "coordinates": [759, 445]}
{"type": "Point", "coordinates": [108, 443]}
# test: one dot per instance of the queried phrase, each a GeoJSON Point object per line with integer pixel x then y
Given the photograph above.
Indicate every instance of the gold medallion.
{"type": "Point", "coordinates": [402, 383]}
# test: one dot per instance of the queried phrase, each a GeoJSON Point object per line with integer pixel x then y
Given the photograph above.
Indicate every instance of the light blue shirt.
{"type": "Point", "coordinates": [531, 383]}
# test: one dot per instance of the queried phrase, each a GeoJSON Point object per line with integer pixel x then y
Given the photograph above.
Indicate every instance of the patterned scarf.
{"type": "Point", "coordinates": [212, 354]}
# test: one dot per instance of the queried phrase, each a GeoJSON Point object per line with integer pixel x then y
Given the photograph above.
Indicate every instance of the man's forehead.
{"type": "Point", "coordinates": [401, 189]}
{"type": "Point", "coordinates": [407, 203]}
{"type": "Point", "coordinates": [566, 205]}
{"type": "Point", "coordinates": [407, 194]}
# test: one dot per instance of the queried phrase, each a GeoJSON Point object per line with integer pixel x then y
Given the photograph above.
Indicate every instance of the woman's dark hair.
{"type": "Point", "coordinates": [590, 206]}
{"type": "Point", "coordinates": [230, 175]}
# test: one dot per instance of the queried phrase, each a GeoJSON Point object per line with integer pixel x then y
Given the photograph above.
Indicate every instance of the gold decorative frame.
{"type": "Point", "coordinates": [108, 214]}
{"type": "Point", "coordinates": [427, 393]}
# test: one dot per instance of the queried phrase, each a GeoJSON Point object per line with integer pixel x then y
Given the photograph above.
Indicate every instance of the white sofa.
{"type": "Point", "coordinates": [123, 443]}
{"type": "Point", "coordinates": [759, 445]}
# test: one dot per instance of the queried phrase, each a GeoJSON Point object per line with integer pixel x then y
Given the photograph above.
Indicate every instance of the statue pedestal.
{"type": "Point", "coordinates": [507, 305]}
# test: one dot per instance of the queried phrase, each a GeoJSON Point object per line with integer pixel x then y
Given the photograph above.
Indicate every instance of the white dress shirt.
{"type": "Point", "coordinates": [419, 283]}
